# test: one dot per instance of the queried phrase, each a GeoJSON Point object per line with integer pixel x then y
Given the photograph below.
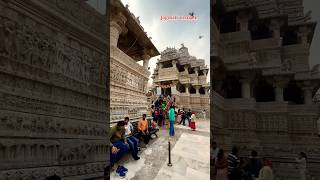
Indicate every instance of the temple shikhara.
{"type": "Point", "coordinates": [263, 85]}
{"type": "Point", "coordinates": [184, 77]}
{"type": "Point", "coordinates": [129, 44]}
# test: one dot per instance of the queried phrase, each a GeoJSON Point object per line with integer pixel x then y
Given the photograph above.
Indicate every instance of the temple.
{"type": "Point", "coordinates": [263, 87]}
{"type": "Point", "coordinates": [129, 44]}
{"type": "Point", "coordinates": [184, 77]}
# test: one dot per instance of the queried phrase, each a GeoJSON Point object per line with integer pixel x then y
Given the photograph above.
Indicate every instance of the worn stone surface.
{"type": "Point", "coordinates": [128, 79]}
{"type": "Point", "coordinates": [187, 160]}
{"type": "Point", "coordinates": [52, 96]}
{"type": "Point", "coordinates": [268, 117]}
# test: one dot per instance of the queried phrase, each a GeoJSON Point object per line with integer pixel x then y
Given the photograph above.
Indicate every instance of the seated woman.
{"type": "Point", "coordinates": [132, 141]}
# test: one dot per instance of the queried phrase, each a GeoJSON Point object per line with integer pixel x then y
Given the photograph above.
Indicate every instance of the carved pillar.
{"type": "Point", "coordinates": [307, 90]}
{"type": "Point", "coordinates": [275, 27]}
{"type": "Point", "coordinates": [197, 89]}
{"type": "Point", "coordinates": [174, 63]}
{"type": "Point", "coordinates": [187, 88]}
{"type": "Point", "coordinates": [117, 26]}
{"type": "Point", "coordinates": [279, 84]}
{"type": "Point", "coordinates": [146, 59]}
{"type": "Point", "coordinates": [303, 34]}
{"type": "Point", "coordinates": [246, 79]}
{"type": "Point", "coordinates": [242, 19]}
{"type": "Point", "coordinates": [196, 70]}
{"type": "Point", "coordinates": [246, 88]}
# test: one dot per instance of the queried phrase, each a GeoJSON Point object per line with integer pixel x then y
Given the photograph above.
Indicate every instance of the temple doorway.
{"type": "Point", "coordinates": [166, 91]}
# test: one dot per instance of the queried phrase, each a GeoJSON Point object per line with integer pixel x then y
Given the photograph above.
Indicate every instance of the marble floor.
{"type": "Point", "coordinates": [189, 161]}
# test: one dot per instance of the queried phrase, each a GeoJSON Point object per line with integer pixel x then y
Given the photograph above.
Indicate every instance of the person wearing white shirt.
{"type": "Point", "coordinates": [132, 141]}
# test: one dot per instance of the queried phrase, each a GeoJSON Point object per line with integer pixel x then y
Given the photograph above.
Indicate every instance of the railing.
{"type": "Point", "coordinates": [235, 37]}
{"type": "Point", "coordinates": [168, 74]}
{"type": "Point", "coordinates": [265, 43]}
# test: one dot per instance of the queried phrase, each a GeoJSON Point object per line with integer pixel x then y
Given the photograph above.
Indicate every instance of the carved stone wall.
{"type": "Point", "coordinates": [53, 75]}
{"type": "Point", "coordinates": [127, 90]}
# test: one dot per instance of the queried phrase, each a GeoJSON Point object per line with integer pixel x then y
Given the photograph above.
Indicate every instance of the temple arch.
{"type": "Point", "coordinates": [192, 90]}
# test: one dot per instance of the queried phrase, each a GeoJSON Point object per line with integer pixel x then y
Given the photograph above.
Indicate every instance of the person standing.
{"type": "Point", "coordinates": [221, 166]}
{"type": "Point", "coordinates": [179, 116]}
{"type": "Point", "coordinates": [143, 129]}
{"type": "Point", "coordinates": [192, 123]}
{"type": "Point", "coordinates": [233, 164]}
{"type": "Point", "coordinates": [302, 165]}
{"type": "Point", "coordinates": [189, 113]}
{"type": "Point", "coordinates": [266, 171]}
{"type": "Point", "coordinates": [183, 117]}
{"type": "Point", "coordinates": [204, 114]}
{"type": "Point", "coordinates": [132, 141]}
{"type": "Point", "coordinates": [171, 121]}
{"type": "Point", "coordinates": [254, 165]}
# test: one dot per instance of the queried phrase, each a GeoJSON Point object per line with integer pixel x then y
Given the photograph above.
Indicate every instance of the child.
{"type": "Point", "coordinates": [192, 122]}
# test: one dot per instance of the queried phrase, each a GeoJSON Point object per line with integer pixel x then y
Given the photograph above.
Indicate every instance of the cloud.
{"type": "Point", "coordinates": [173, 33]}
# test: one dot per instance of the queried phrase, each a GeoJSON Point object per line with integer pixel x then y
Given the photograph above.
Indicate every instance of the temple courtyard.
{"type": "Point", "coordinates": [190, 152]}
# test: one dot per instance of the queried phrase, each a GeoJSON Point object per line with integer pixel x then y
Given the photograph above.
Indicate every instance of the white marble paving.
{"type": "Point", "coordinates": [190, 159]}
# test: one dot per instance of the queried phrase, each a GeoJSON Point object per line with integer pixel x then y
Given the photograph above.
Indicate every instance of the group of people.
{"type": "Point", "coordinates": [232, 167]}
{"type": "Point", "coordinates": [123, 140]}
{"type": "Point", "coordinates": [161, 106]}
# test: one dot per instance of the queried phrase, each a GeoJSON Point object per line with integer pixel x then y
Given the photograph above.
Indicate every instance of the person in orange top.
{"type": "Point", "coordinates": [143, 129]}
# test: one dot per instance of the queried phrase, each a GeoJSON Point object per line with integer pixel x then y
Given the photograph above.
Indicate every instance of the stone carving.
{"type": "Point", "coordinates": [53, 79]}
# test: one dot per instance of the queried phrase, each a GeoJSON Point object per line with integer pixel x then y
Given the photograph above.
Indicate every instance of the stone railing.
{"type": "Point", "coordinates": [234, 37]}
{"type": "Point", "coordinates": [264, 44]}
{"type": "Point", "coordinates": [166, 74]}
{"type": "Point", "coordinates": [126, 60]}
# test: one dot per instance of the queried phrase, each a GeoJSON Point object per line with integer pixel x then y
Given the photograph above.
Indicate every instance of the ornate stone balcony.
{"type": "Point", "coordinates": [270, 43]}
{"type": "Point", "coordinates": [126, 60]}
{"type": "Point", "coordinates": [235, 37]}
{"type": "Point", "coordinates": [167, 74]}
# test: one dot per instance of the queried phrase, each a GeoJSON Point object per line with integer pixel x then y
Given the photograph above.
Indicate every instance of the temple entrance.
{"type": "Point", "coordinates": [166, 91]}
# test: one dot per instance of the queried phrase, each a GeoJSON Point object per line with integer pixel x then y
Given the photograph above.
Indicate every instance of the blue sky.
{"type": "Point", "coordinates": [173, 33]}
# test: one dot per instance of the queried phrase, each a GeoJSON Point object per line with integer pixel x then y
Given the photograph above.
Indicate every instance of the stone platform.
{"type": "Point", "coordinates": [189, 161]}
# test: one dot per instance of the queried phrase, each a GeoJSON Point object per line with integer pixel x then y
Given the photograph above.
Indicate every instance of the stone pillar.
{"type": "Point", "coordinates": [197, 89]}
{"type": "Point", "coordinates": [303, 34]}
{"type": "Point", "coordinates": [174, 63]}
{"type": "Point", "coordinates": [158, 91]}
{"type": "Point", "coordinates": [279, 83]}
{"type": "Point", "coordinates": [186, 69]}
{"type": "Point", "coordinates": [279, 94]}
{"type": "Point", "coordinates": [242, 19]}
{"type": "Point", "coordinates": [275, 27]}
{"type": "Point", "coordinates": [117, 26]}
{"type": "Point", "coordinates": [196, 69]}
{"type": "Point", "coordinates": [246, 88]}
{"type": "Point", "coordinates": [173, 90]}
{"type": "Point", "coordinates": [187, 88]}
{"type": "Point", "coordinates": [307, 95]}
{"type": "Point", "coordinates": [146, 59]}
